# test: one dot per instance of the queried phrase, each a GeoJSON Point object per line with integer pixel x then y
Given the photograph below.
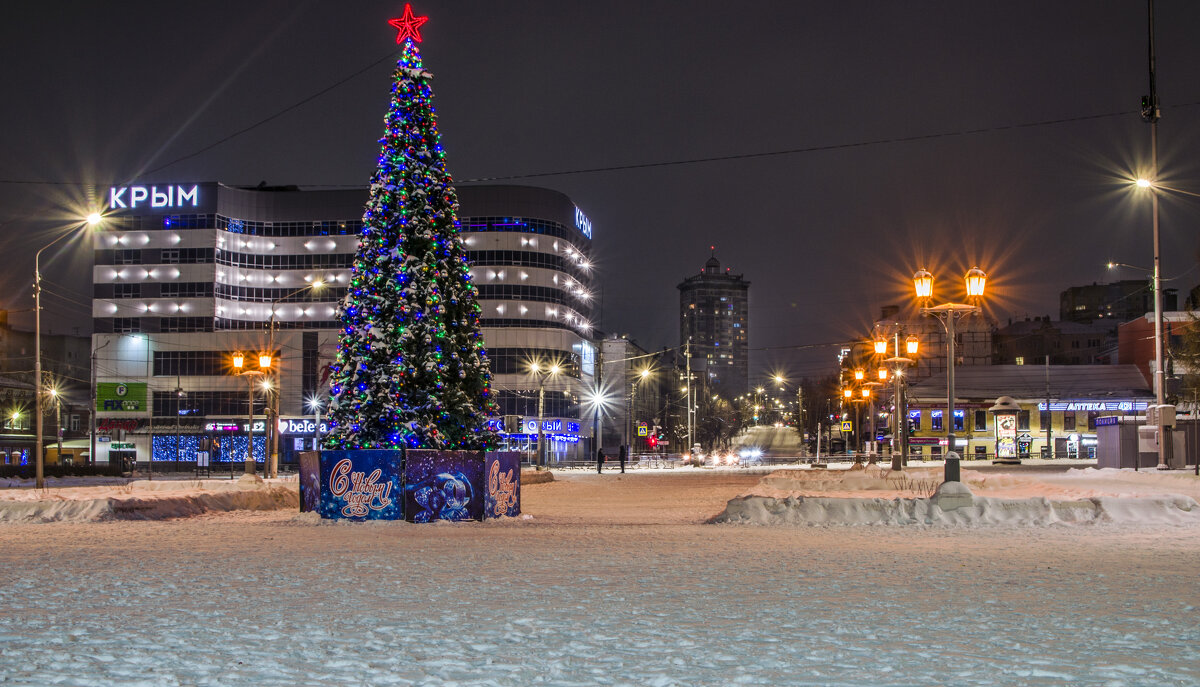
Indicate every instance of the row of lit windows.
{"type": "Point", "coordinates": [516, 224]}
{"type": "Point", "coordinates": [343, 227]}
{"type": "Point", "coordinates": [1023, 417]}
{"type": "Point", "coordinates": [544, 294]}
{"type": "Point", "coordinates": [518, 360]}
{"type": "Point", "coordinates": [154, 256]}
{"type": "Point", "coordinates": [153, 222]}
{"type": "Point", "coordinates": [265, 295]}
{"type": "Point", "coordinates": [135, 325]}
{"type": "Point", "coordinates": [284, 262]}
{"type": "Point", "coordinates": [525, 403]}
{"type": "Point", "coordinates": [202, 403]}
{"type": "Point", "coordinates": [190, 289]}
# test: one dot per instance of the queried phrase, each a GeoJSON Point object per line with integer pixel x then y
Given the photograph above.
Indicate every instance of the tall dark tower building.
{"type": "Point", "coordinates": [714, 315]}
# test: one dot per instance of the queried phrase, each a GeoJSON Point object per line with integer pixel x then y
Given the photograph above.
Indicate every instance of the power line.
{"type": "Point", "coordinates": [639, 165]}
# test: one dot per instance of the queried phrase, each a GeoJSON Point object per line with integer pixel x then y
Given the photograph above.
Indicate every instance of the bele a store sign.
{"type": "Point", "coordinates": [152, 199]}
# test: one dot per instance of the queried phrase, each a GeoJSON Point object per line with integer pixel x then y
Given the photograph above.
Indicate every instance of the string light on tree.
{"type": "Point", "coordinates": [411, 369]}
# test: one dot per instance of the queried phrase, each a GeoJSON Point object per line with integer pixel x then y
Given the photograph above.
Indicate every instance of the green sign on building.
{"type": "Point", "coordinates": [120, 396]}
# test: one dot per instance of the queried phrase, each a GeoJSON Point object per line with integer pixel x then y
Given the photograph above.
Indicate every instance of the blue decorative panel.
{"type": "Point", "coordinates": [443, 485]}
{"type": "Point", "coordinates": [503, 489]}
{"type": "Point", "coordinates": [362, 485]}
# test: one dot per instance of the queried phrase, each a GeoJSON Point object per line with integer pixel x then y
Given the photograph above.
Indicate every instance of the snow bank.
{"type": "Point", "coordinates": [801, 510]}
{"type": "Point", "coordinates": [144, 500]}
{"type": "Point", "coordinates": [878, 496]}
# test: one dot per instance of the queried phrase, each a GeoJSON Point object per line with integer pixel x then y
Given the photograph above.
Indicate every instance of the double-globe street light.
{"type": "Point", "coordinates": [542, 371]}
{"type": "Point", "coordinates": [899, 407]}
{"type": "Point", "coordinates": [40, 470]}
{"type": "Point", "coordinates": [242, 370]}
{"type": "Point", "coordinates": [975, 280]}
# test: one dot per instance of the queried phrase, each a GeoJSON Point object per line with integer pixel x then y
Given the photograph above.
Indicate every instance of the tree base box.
{"type": "Point", "coordinates": [417, 485]}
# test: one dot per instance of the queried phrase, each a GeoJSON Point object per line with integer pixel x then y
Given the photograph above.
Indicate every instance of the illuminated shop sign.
{"type": "Point", "coordinates": [1096, 406]}
{"type": "Point", "coordinates": [557, 426]}
{"type": "Point", "coordinates": [168, 196]}
{"type": "Point", "coordinates": [230, 426]}
{"type": "Point", "coordinates": [290, 426]}
{"type": "Point", "coordinates": [582, 223]}
{"type": "Point", "coordinates": [128, 397]}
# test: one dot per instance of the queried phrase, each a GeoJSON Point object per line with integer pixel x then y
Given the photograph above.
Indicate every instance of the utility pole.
{"type": "Point", "coordinates": [1150, 113]}
{"type": "Point", "coordinates": [1049, 417]}
{"type": "Point", "coordinates": [687, 355]}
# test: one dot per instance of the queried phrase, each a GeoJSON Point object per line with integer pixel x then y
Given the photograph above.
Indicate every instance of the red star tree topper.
{"type": "Point", "coordinates": [408, 25]}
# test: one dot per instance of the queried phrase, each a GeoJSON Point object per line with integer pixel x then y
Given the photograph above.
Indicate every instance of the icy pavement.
{"type": "Point", "coordinates": [612, 581]}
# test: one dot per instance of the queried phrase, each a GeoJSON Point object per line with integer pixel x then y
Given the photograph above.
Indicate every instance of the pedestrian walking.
{"type": "Point", "coordinates": [621, 457]}
{"type": "Point", "coordinates": [599, 460]}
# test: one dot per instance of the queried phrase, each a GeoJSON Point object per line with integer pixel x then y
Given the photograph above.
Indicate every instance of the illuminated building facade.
{"type": "Point", "coordinates": [187, 274]}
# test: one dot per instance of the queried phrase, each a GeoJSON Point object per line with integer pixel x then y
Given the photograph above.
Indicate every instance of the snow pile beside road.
{"type": "Point", "coordinates": [879, 496]}
{"type": "Point", "coordinates": [801, 510]}
{"type": "Point", "coordinates": [144, 500]}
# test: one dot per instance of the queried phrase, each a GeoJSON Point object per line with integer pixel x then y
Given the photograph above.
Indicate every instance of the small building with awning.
{"type": "Point", "coordinates": [1059, 405]}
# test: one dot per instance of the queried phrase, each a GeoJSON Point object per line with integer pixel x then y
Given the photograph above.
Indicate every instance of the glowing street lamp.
{"type": "Point", "coordinates": [242, 370]}
{"type": "Point", "coordinates": [1160, 379]}
{"type": "Point", "coordinates": [975, 281]}
{"type": "Point", "coordinates": [91, 220]}
{"type": "Point", "coordinates": [550, 370]}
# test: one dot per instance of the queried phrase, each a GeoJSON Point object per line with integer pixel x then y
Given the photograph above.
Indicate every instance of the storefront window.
{"type": "Point", "coordinates": [960, 420]}
{"type": "Point", "coordinates": [935, 420]}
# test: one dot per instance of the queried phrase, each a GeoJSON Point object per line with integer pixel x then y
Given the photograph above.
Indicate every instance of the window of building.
{"type": "Point", "coordinates": [128, 257]}
{"type": "Point", "coordinates": [914, 420]}
{"type": "Point", "coordinates": [1091, 417]}
{"type": "Point", "coordinates": [1023, 419]}
{"type": "Point", "coordinates": [1069, 421]}
{"type": "Point", "coordinates": [935, 420]}
{"type": "Point", "coordinates": [1043, 418]}
{"type": "Point", "coordinates": [169, 256]}
{"type": "Point", "coordinates": [126, 325]}
{"type": "Point", "coordinates": [960, 419]}
{"type": "Point", "coordinates": [127, 291]}
{"type": "Point", "coordinates": [981, 420]}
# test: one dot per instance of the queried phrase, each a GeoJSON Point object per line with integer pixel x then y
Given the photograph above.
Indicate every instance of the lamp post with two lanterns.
{"type": "Point", "coordinates": [264, 368]}
{"type": "Point", "coordinates": [947, 313]}
{"type": "Point", "coordinates": [900, 410]}
{"type": "Point", "coordinates": [542, 372]}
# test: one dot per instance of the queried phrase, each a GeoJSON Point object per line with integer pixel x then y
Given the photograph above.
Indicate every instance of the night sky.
{"type": "Point", "coordinates": [868, 139]}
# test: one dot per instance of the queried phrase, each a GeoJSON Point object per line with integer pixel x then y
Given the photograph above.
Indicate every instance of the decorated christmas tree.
{"type": "Point", "coordinates": [411, 370]}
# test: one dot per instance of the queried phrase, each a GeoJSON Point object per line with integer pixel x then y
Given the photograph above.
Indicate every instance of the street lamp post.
{"type": "Point", "coordinates": [947, 313]}
{"type": "Point", "coordinates": [314, 404]}
{"type": "Point", "coordinates": [40, 470]}
{"type": "Point", "coordinates": [551, 370]}
{"type": "Point", "coordinates": [900, 410]}
{"type": "Point", "coordinates": [629, 437]}
{"type": "Point", "coordinates": [264, 367]}
{"type": "Point", "coordinates": [272, 466]}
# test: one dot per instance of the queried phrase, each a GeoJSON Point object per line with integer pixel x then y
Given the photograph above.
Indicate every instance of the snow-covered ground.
{"type": "Point", "coordinates": [611, 579]}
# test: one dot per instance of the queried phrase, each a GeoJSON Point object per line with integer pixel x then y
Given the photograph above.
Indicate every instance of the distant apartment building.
{"type": "Point", "coordinates": [713, 323]}
{"type": "Point", "coordinates": [1031, 341]}
{"type": "Point", "coordinates": [1115, 302]}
